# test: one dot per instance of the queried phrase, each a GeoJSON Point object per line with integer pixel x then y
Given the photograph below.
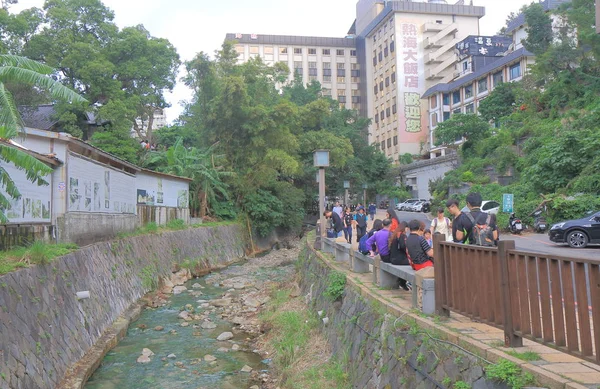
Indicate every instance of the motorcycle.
{"type": "Point", "coordinates": [539, 222]}
{"type": "Point", "coordinates": [514, 224]}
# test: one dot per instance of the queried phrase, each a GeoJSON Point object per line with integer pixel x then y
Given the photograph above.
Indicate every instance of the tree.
{"type": "Point", "coordinates": [500, 103]}
{"type": "Point", "coordinates": [468, 126]}
{"type": "Point", "coordinates": [22, 70]}
{"type": "Point", "coordinates": [539, 29]}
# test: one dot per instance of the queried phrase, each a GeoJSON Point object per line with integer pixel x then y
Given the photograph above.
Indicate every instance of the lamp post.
{"type": "Point", "coordinates": [365, 186]}
{"type": "Point", "coordinates": [321, 160]}
{"type": "Point", "coordinates": [346, 187]}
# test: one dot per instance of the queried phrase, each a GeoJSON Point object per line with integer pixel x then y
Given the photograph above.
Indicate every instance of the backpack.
{"type": "Point", "coordinates": [481, 235]}
{"type": "Point", "coordinates": [362, 244]}
{"type": "Point", "coordinates": [436, 221]}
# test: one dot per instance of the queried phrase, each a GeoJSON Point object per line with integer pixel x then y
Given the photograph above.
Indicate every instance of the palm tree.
{"type": "Point", "coordinates": [201, 166]}
{"type": "Point", "coordinates": [22, 70]}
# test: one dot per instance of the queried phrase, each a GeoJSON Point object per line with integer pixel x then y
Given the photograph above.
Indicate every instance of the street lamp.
{"type": "Point", "coordinates": [365, 186]}
{"type": "Point", "coordinates": [346, 187]}
{"type": "Point", "coordinates": [321, 160]}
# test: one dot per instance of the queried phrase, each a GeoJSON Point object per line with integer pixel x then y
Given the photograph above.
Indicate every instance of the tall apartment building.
{"type": "Point", "coordinates": [395, 52]}
{"type": "Point", "coordinates": [331, 61]}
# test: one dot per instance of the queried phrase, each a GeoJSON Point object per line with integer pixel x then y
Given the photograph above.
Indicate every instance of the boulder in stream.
{"type": "Point", "coordinates": [225, 336]}
{"type": "Point", "coordinates": [179, 289]}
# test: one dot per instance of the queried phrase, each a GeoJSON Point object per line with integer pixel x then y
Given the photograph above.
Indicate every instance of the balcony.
{"type": "Point", "coordinates": [432, 27]}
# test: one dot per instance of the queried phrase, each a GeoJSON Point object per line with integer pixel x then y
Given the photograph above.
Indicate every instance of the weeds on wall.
{"type": "Point", "coordinates": [39, 253]}
{"type": "Point", "coordinates": [509, 373]}
{"type": "Point", "coordinates": [336, 285]}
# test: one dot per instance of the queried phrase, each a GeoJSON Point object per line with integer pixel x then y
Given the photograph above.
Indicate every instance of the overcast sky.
{"type": "Point", "coordinates": [200, 25]}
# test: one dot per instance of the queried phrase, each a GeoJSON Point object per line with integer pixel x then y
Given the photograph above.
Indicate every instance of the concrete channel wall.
{"type": "Point", "coordinates": [383, 348]}
{"type": "Point", "coordinates": [45, 329]}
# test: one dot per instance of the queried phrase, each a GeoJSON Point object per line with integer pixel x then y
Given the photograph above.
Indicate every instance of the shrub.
{"type": "Point", "coordinates": [337, 284]}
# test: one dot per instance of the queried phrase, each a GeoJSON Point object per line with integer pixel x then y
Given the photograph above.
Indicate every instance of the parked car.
{"type": "Point", "coordinates": [415, 207]}
{"type": "Point", "coordinates": [487, 206]}
{"type": "Point", "coordinates": [406, 205]}
{"type": "Point", "coordinates": [577, 233]}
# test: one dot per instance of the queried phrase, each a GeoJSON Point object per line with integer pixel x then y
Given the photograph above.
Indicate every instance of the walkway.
{"type": "Point", "coordinates": [554, 369]}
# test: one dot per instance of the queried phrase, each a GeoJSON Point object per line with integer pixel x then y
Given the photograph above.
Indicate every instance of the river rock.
{"type": "Point", "coordinates": [225, 336]}
{"type": "Point", "coordinates": [207, 325]}
{"type": "Point", "coordinates": [223, 350]}
{"type": "Point", "coordinates": [252, 302]}
{"type": "Point", "coordinates": [172, 356]}
{"type": "Point", "coordinates": [209, 358]}
{"type": "Point", "coordinates": [159, 328]}
{"type": "Point", "coordinates": [185, 324]}
{"type": "Point", "coordinates": [179, 289]}
{"type": "Point", "coordinates": [197, 286]}
{"type": "Point", "coordinates": [184, 315]}
{"type": "Point", "coordinates": [144, 359]}
{"type": "Point", "coordinates": [246, 369]}
{"type": "Point", "coordinates": [147, 352]}
{"type": "Point", "coordinates": [238, 285]}
{"type": "Point", "coordinates": [179, 365]}
{"type": "Point", "coordinates": [167, 287]}
{"type": "Point", "coordinates": [181, 277]}
{"type": "Point", "coordinates": [221, 302]}
{"type": "Point", "coordinates": [235, 347]}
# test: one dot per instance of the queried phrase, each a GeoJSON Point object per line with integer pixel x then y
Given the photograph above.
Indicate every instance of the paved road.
{"type": "Point", "coordinates": [538, 243]}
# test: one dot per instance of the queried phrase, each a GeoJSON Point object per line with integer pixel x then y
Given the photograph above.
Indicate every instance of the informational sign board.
{"type": "Point", "coordinates": [507, 202]}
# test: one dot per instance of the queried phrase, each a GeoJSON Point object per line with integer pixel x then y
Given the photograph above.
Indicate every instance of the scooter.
{"type": "Point", "coordinates": [514, 225]}
{"type": "Point", "coordinates": [539, 221]}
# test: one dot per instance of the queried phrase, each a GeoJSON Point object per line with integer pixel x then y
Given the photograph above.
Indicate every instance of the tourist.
{"type": "Point", "coordinates": [362, 243]}
{"type": "Point", "coordinates": [391, 214]}
{"type": "Point", "coordinates": [338, 209]}
{"type": "Point", "coordinates": [442, 225]}
{"type": "Point", "coordinates": [464, 229]}
{"type": "Point", "coordinates": [361, 223]}
{"type": "Point", "coordinates": [418, 251]}
{"type": "Point", "coordinates": [372, 210]}
{"type": "Point", "coordinates": [338, 224]}
{"type": "Point", "coordinates": [380, 240]}
{"type": "Point", "coordinates": [397, 245]}
{"type": "Point", "coordinates": [453, 208]}
{"type": "Point", "coordinates": [428, 237]}
{"type": "Point", "coordinates": [348, 221]}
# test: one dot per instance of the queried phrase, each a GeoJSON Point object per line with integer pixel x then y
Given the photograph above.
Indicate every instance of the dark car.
{"type": "Point", "coordinates": [577, 233]}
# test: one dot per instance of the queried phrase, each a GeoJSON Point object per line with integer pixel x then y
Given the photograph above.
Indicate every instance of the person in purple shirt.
{"type": "Point", "coordinates": [381, 239]}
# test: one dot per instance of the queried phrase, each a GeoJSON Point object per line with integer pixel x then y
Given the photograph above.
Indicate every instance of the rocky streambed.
{"type": "Point", "coordinates": [198, 333]}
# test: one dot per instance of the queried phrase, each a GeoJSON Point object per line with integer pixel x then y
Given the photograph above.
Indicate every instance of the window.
{"type": "Point", "coordinates": [387, 82]}
{"type": "Point", "coordinates": [253, 49]}
{"type": "Point", "coordinates": [395, 140]}
{"type": "Point", "coordinates": [380, 56]}
{"type": "Point", "coordinates": [383, 145]}
{"type": "Point", "coordinates": [382, 114]}
{"type": "Point", "coordinates": [433, 101]}
{"type": "Point", "coordinates": [392, 46]}
{"type": "Point", "coordinates": [312, 69]}
{"type": "Point", "coordinates": [515, 71]}
{"type": "Point", "coordinates": [283, 50]}
{"type": "Point", "coordinates": [385, 52]}
{"type": "Point", "coordinates": [394, 109]}
{"type": "Point", "coordinates": [341, 79]}
{"type": "Point", "coordinates": [268, 49]}
{"type": "Point", "coordinates": [497, 78]}
{"type": "Point", "coordinates": [326, 52]}
{"type": "Point", "coordinates": [312, 65]}
{"type": "Point", "coordinates": [381, 85]}
{"type": "Point", "coordinates": [434, 120]}
{"type": "Point", "coordinates": [468, 91]}
{"type": "Point", "coordinates": [340, 52]}
{"type": "Point", "coordinates": [341, 65]}
{"type": "Point", "coordinates": [456, 97]}
{"type": "Point", "coordinates": [298, 67]}
{"type": "Point", "coordinates": [376, 117]}
{"type": "Point", "coordinates": [446, 116]}
{"type": "Point", "coordinates": [341, 93]}
{"type": "Point", "coordinates": [375, 61]}
{"type": "Point", "coordinates": [326, 92]}
{"type": "Point", "coordinates": [387, 112]}
{"type": "Point", "coordinates": [326, 78]}
{"type": "Point", "coordinates": [389, 142]}
{"type": "Point", "coordinates": [469, 108]}
{"type": "Point", "coordinates": [297, 50]}
{"type": "Point", "coordinates": [355, 96]}
{"type": "Point", "coordinates": [375, 90]}
{"type": "Point", "coordinates": [341, 72]}
{"type": "Point", "coordinates": [446, 99]}
{"type": "Point", "coordinates": [326, 65]}
{"type": "Point", "coordinates": [482, 85]}
{"type": "Point", "coordinates": [465, 65]}
{"type": "Point", "coordinates": [457, 110]}
{"type": "Point", "coordinates": [312, 51]}
{"type": "Point", "coordinates": [239, 49]}
{"type": "Point", "coordinates": [438, 21]}
{"type": "Point", "coordinates": [353, 53]}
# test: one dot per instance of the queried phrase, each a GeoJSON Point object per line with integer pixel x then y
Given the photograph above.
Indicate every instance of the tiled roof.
{"type": "Point", "coordinates": [520, 19]}
{"type": "Point", "coordinates": [41, 116]}
{"type": "Point", "coordinates": [478, 73]}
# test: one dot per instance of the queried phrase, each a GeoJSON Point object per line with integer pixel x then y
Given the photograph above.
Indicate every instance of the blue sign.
{"type": "Point", "coordinates": [507, 202]}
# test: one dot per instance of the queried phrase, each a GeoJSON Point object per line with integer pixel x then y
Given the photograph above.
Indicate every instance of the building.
{"type": "Point", "coordinates": [139, 130]}
{"type": "Point", "coordinates": [330, 61]}
{"type": "Point", "coordinates": [395, 51]}
{"type": "Point", "coordinates": [91, 195]}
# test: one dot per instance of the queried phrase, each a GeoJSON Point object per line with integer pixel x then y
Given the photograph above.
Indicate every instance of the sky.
{"type": "Point", "coordinates": [200, 25]}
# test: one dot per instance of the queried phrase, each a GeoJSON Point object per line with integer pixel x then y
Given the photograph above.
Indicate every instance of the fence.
{"type": "Point", "coordinates": [549, 299]}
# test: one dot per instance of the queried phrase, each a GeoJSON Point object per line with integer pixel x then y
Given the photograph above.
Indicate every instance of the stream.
{"type": "Point", "coordinates": [175, 346]}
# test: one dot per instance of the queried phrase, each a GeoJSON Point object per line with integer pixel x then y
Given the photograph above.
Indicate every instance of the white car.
{"type": "Point", "coordinates": [491, 207]}
{"type": "Point", "coordinates": [416, 207]}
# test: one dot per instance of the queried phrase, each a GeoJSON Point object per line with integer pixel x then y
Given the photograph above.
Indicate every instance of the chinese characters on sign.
{"type": "Point", "coordinates": [483, 45]}
{"type": "Point", "coordinates": [410, 72]}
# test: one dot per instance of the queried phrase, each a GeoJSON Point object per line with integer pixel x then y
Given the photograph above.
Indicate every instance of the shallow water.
{"type": "Point", "coordinates": [120, 370]}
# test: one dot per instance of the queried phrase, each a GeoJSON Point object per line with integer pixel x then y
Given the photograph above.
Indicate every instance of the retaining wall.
{"type": "Point", "coordinates": [44, 329]}
{"type": "Point", "coordinates": [383, 348]}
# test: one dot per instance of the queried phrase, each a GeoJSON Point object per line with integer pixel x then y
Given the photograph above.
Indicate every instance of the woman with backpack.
{"type": "Point", "coordinates": [442, 225]}
{"type": "Point", "coordinates": [362, 243]}
{"type": "Point", "coordinates": [348, 220]}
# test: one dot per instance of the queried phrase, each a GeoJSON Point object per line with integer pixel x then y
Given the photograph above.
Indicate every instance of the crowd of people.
{"type": "Point", "coordinates": [402, 242]}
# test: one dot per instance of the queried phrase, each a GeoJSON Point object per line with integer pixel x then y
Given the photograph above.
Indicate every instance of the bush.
{"type": "Point", "coordinates": [176, 224]}
{"type": "Point", "coordinates": [337, 284]}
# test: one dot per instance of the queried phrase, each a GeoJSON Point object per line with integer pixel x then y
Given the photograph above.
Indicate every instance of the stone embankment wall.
{"type": "Point", "coordinates": [381, 348]}
{"type": "Point", "coordinates": [45, 329]}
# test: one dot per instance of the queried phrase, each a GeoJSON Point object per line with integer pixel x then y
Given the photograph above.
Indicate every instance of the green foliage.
{"type": "Point", "coordinates": [176, 224]}
{"type": "Point", "coordinates": [468, 126]}
{"type": "Point", "coordinates": [117, 143]}
{"type": "Point", "coordinates": [539, 29]}
{"type": "Point", "coordinates": [336, 286]}
{"type": "Point", "coordinates": [526, 356]}
{"type": "Point", "coordinates": [265, 210]}
{"type": "Point", "coordinates": [149, 277]}
{"type": "Point", "coordinates": [509, 373]}
{"type": "Point", "coordinates": [461, 385]}
{"type": "Point", "coordinates": [500, 103]}
{"type": "Point", "coordinates": [38, 253]}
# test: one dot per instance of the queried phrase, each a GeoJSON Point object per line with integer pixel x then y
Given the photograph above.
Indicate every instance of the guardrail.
{"type": "Point", "coordinates": [546, 298]}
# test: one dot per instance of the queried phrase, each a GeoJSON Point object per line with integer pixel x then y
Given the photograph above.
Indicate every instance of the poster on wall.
{"type": "Point", "coordinates": [182, 199]}
{"type": "Point", "coordinates": [97, 199]}
{"type": "Point", "coordinates": [73, 194]}
{"type": "Point", "coordinates": [160, 193]}
{"type": "Point", "coordinates": [107, 189]}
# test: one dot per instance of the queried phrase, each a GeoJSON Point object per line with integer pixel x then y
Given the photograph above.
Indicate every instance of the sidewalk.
{"type": "Point", "coordinates": [553, 369]}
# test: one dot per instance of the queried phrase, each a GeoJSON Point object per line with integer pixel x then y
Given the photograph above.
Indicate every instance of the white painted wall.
{"type": "Point", "coordinates": [161, 191]}
{"type": "Point", "coordinates": [94, 187]}
{"type": "Point", "coordinates": [34, 206]}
